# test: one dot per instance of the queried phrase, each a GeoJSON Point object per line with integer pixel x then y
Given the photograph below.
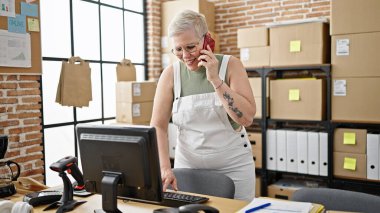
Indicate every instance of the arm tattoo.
{"type": "Point", "coordinates": [230, 102]}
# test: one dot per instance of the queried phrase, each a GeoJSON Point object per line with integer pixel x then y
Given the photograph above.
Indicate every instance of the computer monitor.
{"type": "Point", "coordinates": [120, 161]}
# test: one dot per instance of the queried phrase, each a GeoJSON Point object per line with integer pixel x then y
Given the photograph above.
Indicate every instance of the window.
{"type": "Point", "coordinates": [102, 32]}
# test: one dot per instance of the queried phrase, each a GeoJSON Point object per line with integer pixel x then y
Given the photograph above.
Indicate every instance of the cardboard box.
{"type": "Point", "coordinates": [255, 56]}
{"type": "Point", "coordinates": [131, 91]}
{"type": "Point", "coordinates": [253, 37]}
{"type": "Point", "coordinates": [281, 191]}
{"type": "Point", "coordinates": [255, 83]}
{"type": "Point", "coordinates": [352, 16]}
{"type": "Point", "coordinates": [255, 138]}
{"type": "Point", "coordinates": [259, 108]}
{"type": "Point", "coordinates": [258, 187]}
{"type": "Point", "coordinates": [350, 165]}
{"type": "Point", "coordinates": [356, 55]}
{"type": "Point", "coordinates": [297, 99]}
{"type": "Point", "coordinates": [134, 113]}
{"type": "Point", "coordinates": [256, 143]}
{"type": "Point", "coordinates": [350, 140]}
{"type": "Point", "coordinates": [167, 45]}
{"type": "Point", "coordinates": [258, 158]}
{"type": "Point", "coordinates": [170, 8]}
{"type": "Point", "coordinates": [299, 44]}
{"type": "Point", "coordinates": [355, 100]}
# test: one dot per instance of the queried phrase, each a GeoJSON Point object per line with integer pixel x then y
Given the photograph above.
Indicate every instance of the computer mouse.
{"type": "Point", "coordinates": [166, 210]}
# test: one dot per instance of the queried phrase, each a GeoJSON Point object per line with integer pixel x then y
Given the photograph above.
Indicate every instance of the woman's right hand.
{"type": "Point", "coordinates": [168, 178]}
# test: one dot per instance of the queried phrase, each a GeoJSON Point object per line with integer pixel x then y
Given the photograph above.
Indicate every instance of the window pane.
{"type": "Point", "coordinates": [109, 89]}
{"type": "Point", "coordinates": [117, 3]}
{"type": "Point", "coordinates": [59, 143]}
{"type": "Point", "coordinates": [86, 30]}
{"type": "Point", "coordinates": [134, 37]}
{"type": "Point", "coordinates": [136, 5]}
{"type": "Point", "coordinates": [112, 34]}
{"type": "Point", "coordinates": [55, 28]}
{"type": "Point", "coordinates": [53, 112]}
{"type": "Point", "coordinates": [94, 110]}
{"type": "Point", "coordinates": [140, 73]}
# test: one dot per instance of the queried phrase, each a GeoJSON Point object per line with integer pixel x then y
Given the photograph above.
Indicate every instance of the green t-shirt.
{"type": "Point", "coordinates": [193, 83]}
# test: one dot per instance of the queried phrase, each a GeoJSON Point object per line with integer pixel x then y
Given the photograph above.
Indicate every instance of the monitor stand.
{"type": "Point", "coordinates": [109, 192]}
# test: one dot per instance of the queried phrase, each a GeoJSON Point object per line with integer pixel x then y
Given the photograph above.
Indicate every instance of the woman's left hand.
{"type": "Point", "coordinates": [211, 63]}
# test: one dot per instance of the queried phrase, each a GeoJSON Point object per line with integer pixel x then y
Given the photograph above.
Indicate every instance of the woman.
{"type": "Point", "coordinates": [210, 101]}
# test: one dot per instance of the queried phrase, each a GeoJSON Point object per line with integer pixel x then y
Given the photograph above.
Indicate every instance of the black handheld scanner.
{"type": "Point", "coordinates": [69, 164]}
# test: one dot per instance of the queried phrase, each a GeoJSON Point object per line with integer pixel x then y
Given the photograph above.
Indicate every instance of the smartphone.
{"type": "Point", "coordinates": [208, 41]}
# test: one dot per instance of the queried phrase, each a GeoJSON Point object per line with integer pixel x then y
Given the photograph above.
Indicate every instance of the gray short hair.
{"type": "Point", "coordinates": [186, 20]}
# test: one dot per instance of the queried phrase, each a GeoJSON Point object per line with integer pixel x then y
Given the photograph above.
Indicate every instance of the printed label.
{"type": "Point", "coordinates": [340, 88]}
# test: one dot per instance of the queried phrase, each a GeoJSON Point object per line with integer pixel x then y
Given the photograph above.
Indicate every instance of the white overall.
{"type": "Point", "coordinates": [206, 139]}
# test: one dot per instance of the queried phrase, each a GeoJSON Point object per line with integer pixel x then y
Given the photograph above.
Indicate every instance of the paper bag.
{"type": "Point", "coordinates": [74, 87]}
{"type": "Point", "coordinates": [126, 71]}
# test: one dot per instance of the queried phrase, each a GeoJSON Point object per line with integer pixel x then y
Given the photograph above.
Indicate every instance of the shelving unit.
{"type": "Point", "coordinates": [265, 121]}
{"type": "Point", "coordinates": [367, 186]}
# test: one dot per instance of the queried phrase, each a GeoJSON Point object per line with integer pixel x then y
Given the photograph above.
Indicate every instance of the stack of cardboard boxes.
{"type": "Point", "coordinates": [290, 45]}
{"type": "Point", "coordinates": [350, 160]}
{"type": "Point", "coordinates": [254, 46]}
{"type": "Point", "coordinates": [257, 92]}
{"type": "Point", "coordinates": [355, 30]}
{"type": "Point", "coordinates": [134, 101]}
{"type": "Point", "coordinates": [169, 9]}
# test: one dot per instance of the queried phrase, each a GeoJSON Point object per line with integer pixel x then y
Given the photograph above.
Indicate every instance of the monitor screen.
{"type": "Point", "coordinates": [128, 151]}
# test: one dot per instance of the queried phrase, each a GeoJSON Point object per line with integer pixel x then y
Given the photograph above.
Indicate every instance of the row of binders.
{"type": "Point", "coordinates": [295, 151]}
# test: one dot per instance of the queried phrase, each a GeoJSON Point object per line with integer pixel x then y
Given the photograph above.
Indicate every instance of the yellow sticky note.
{"type": "Point", "coordinates": [295, 46]}
{"type": "Point", "coordinates": [349, 138]}
{"type": "Point", "coordinates": [33, 25]}
{"type": "Point", "coordinates": [350, 164]}
{"type": "Point", "coordinates": [294, 95]}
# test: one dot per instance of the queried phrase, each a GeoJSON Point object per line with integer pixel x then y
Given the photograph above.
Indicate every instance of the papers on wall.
{"type": "Point", "coordinates": [7, 8]}
{"type": "Point", "coordinates": [15, 49]}
{"type": "Point", "coordinates": [278, 206]}
{"type": "Point", "coordinates": [17, 24]}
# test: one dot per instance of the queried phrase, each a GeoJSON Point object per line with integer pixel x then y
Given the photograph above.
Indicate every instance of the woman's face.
{"type": "Point", "coordinates": [187, 47]}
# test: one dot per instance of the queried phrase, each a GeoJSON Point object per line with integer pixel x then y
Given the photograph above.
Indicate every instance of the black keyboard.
{"type": "Point", "coordinates": [174, 199]}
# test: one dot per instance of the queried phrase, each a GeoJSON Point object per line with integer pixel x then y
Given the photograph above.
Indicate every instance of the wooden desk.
{"type": "Point", "coordinates": [95, 202]}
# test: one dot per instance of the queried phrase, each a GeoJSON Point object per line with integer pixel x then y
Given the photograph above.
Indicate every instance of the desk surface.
{"type": "Point", "coordinates": [95, 201]}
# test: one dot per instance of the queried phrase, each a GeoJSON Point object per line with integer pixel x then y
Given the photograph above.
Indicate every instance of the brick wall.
{"type": "Point", "coordinates": [231, 15]}
{"type": "Point", "coordinates": [20, 119]}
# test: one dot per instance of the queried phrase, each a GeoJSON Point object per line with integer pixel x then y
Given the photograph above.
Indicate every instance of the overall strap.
{"type": "Point", "coordinates": [177, 80]}
{"type": "Point", "coordinates": [223, 67]}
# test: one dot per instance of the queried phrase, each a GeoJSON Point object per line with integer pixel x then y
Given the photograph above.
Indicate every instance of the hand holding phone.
{"type": "Point", "coordinates": [208, 41]}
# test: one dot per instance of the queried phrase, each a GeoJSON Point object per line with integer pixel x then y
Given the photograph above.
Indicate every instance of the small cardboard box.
{"type": "Point", "coordinates": [255, 56]}
{"type": "Point", "coordinates": [131, 91]}
{"type": "Point", "coordinates": [299, 44]}
{"type": "Point", "coordinates": [350, 165]}
{"type": "Point", "coordinates": [134, 113]}
{"type": "Point", "coordinates": [350, 140]}
{"type": "Point", "coordinates": [258, 158]}
{"type": "Point", "coordinates": [355, 100]}
{"type": "Point", "coordinates": [253, 37]}
{"type": "Point", "coordinates": [258, 187]}
{"type": "Point", "coordinates": [255, 83]}
{"type": "Point", "coordinates": [170, 8]}
{"type": "Point", "coordinates": [259, 108]}
{"type": "Point", "coordinates": [353, 16]}
{"type": "Point", "coordinates": [298, 99]}
{"type": "Point", "coordinates": [356, 55]}
{"type": "Point", "coordinates": [280, 191]}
